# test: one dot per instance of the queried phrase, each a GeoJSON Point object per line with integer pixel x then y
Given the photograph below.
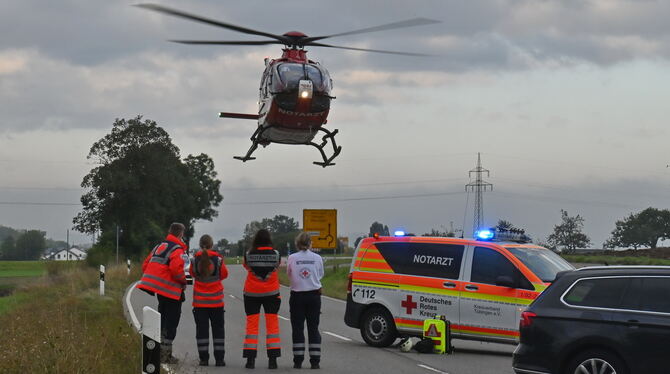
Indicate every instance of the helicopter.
{"type": "Point", "coordinates": [295, 92]}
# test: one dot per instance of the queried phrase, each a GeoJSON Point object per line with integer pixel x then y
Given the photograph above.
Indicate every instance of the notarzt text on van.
{"type": "Point", "coordinates": [433, 260]}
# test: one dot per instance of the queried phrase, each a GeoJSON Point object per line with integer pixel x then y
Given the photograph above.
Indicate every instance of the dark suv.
{"type": "Point", "coordinates": [598, 320]}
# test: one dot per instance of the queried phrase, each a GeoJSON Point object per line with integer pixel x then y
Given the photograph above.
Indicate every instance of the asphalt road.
{"type": "Point", "coordinates": [343, 350]}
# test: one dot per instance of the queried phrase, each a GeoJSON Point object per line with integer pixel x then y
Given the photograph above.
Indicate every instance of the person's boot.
{"type": "Point", "coordinates": [220, 362]}
{"type": "Point", "coordinates": [297, 364]}
{"type": "Point", "coordinates": [272, 363]}
{"type": "Point", "coordinates": [204, 362]}
{"type": "Point", "coordinates": [315, 365]}
{"type": "Point", "coordinates": [251, 363]}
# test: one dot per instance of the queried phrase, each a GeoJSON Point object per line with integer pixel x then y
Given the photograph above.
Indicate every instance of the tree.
{"type": "Point", "coordinates": [645, 228]}
{"type": "Point", "coordinates": [569, 233]}
{"type": "Point", "coordinates": [504, 225]}
{"type": "Point", "coordinates": [379, 228]}
{"type": "Point", "coordinates": [28, 246]}
{"type": "Point", "coordinates": [283, 229]}
{"type": "Point", "coordinates": [142, 185]}
{"type": "Point", "coordinates": [7, 249]}
{"type": "Point", "coordinates": [436, 232]}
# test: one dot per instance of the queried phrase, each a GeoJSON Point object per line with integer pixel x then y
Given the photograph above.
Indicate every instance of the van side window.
{"type": "Point", "coordinates": [436, 260]}
{"type": "Point", "coordinates": [487, 265]}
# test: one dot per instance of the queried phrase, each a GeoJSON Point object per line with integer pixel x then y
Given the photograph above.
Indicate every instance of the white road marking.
{"type": "Point", "coordinates": [284, 318]}
{"type": "Point", "coordinates": [136, 322]}
{"type": "Point", "coordinates": [337, 336]}
{"type": "Point", "coordinates": [233, 296]}
{"type": "Point", "coordinates": [431, 369]}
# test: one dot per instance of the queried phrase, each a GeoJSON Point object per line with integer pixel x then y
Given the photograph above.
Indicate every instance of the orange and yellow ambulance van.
{"type": "Point", "coordinates": [481, 285]}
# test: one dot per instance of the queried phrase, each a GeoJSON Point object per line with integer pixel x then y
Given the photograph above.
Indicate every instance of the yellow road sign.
{"type": "Point", "coordinates": [321, 224]}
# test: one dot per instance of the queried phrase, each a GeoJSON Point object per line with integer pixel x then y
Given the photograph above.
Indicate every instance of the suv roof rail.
{"type": "Point", "coordinates": [604, 267]}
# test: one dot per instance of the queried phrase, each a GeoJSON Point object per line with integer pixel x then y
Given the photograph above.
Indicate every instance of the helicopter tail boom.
{"type": "Point", "coordinates": [238, 115]}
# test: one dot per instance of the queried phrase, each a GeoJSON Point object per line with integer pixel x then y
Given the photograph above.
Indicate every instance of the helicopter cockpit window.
{"type": "Point", "coordinates": [291, 74]}
{"type": "Point", "coordinates": [314, 75]}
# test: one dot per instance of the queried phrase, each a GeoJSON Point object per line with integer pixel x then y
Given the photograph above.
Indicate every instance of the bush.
{"type": "Point", "coordinates": [100, 254]}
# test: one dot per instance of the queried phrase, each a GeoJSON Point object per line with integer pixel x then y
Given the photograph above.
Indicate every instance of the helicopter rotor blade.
{"type": "Point", "coordinates": [389, 26]}
{"type": "Point", "coordinates": [226, 42]}
{"type": "Point", "coordinates": [193, 17]}
{"type": "Point", "coordinates": [372, 50]}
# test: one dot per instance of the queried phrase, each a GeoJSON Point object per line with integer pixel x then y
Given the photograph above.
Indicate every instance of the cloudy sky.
{"type": "Point", "coordinates": [565, 100]}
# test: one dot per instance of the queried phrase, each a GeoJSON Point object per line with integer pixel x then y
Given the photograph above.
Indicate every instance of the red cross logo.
{"type": "Point", "coordinates": [305, 273]}
{"type": "Point", "coordinates": [408, 304]}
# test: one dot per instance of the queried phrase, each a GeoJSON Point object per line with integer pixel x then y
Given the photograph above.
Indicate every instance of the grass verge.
{"type": "Point", "coordinates": [334, 282]}
{"type": "Point", "coordinates": [61, 325]}
{"type": "Point", "coordinates": [616, 260]}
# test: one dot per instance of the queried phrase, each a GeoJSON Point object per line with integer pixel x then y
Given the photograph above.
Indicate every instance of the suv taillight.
{"type": "Point", "coordinates": [526, 319]}
{"type": "Point", "coordinates": [349, 283]}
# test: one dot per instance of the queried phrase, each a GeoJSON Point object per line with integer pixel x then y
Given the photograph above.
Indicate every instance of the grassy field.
{"type": "Point", "coordinates": [59, 324]}
{"type": "Point", "coordinates": [14, 269]}
{"type": "Point", "coordinates": [616, 260]}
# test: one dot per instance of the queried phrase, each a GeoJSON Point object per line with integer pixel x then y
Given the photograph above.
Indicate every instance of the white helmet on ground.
{"type": "Point", "coordinates": [405, 344]}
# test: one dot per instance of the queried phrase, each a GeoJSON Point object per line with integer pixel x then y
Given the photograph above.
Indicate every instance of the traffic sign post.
{"type": "Point", "coordinates": [321, 225]}
{"type": "Point", "coordinates": [102, 280]}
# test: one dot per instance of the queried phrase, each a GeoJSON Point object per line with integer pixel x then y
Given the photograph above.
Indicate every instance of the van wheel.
{"type": "Point", "coordinates": [596, 362]}
{"type": "Point", "coordinates": [378, 328]}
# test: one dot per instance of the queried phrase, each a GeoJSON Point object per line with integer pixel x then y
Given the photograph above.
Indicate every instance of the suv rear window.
{"type": "Point", "coordinates": [655, 294]}
{"type": "Point", "coordinates": [598, 292]}
{"type": "Point", "coordinates": [542, 262]}
{"type": "Point", "coordinates": [425, 259]}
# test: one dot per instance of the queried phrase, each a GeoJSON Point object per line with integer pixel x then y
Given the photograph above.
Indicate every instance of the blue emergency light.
{"type": "Point", "coordinates": [484, 234]}
{"type": "Point", "coordinates": [399, 233]}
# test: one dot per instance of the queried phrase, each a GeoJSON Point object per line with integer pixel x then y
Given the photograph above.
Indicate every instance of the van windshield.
{"type": "Point", "coordinates": [543, 262]}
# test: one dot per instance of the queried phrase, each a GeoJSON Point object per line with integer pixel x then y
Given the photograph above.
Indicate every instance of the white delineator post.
{"type": "Point", "coordinates": [128, 261]}
{"type": "Point", "coordinates": [102, 280]}
{"type": "Point", "coordinates": [151, 339]}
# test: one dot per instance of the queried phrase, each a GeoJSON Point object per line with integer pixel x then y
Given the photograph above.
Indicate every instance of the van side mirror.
{"type": "Point", "coordinates": [505, 281]}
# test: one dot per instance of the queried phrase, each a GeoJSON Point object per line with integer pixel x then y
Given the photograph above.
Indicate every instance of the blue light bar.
{"type": "Point", "coordinates": [399, 233]}
{"type": "Point", "coordinates": [484, 234]}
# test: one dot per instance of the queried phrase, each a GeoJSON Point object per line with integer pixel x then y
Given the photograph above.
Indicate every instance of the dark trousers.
{"type": "Point", "coordinates": [306, 306]}
{"type": "Point", "coordinates": [203, 318]}
{"type": "Point", "coordinates": [170, 311]}
{"type": "Point", "coordinates": [252, 308]}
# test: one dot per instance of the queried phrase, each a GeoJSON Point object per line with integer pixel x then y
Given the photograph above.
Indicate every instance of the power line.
{"type": "Point", "coordinates": [345, 199]}
{"type": "Point", "coordinates": [38, 203]}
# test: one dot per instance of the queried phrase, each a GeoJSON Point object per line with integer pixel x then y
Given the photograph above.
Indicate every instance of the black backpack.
{"type": "Point", "coordinates": [426, 345]}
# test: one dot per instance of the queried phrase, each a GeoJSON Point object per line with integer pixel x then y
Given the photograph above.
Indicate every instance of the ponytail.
{"type": "Point", "coordinates": [205, 268]}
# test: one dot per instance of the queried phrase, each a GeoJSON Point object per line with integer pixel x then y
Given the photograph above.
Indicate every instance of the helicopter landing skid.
{"type": "Point", "coordinates": [254, 145]}
{"type": "Point", "coordinates": [327, 161]}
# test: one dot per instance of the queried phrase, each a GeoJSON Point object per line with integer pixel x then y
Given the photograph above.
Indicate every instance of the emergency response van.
{"type": "Point", "coordinates": [481, 285]}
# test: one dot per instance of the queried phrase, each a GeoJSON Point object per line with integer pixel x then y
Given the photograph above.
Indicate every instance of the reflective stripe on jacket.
{"type": "Point", "coordinates": [262, 279]}
{"type": "Point", "coordinates": [163, 269]}
{"type": "Point", "coordinates": [208, 290]}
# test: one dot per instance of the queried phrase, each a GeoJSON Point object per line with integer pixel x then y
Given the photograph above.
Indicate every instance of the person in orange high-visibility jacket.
{"type": "Point", "coordinates": [261, 288]}
{"type": "Point", "coordinates": [208, 270]}
{"type": "Point", "coordinates": [163, 275]}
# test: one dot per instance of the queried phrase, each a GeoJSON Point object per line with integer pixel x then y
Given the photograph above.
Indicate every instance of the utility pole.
{"type": "Point", "coordinates": [117, 244]}
{"type": "Point", "coordinates": [478, 186]}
